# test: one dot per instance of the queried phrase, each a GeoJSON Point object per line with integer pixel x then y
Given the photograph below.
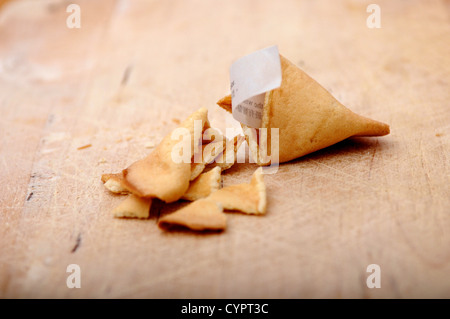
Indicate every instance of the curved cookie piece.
{"type": "Point", "coordinates": [158, 175]}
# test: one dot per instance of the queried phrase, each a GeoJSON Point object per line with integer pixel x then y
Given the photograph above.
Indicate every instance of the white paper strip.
{"type": "Point", "coordinates": [251, 77]}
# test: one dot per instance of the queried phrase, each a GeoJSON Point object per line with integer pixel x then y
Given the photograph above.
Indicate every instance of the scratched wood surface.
{"type": "Point", "coordinates": [121, 82]}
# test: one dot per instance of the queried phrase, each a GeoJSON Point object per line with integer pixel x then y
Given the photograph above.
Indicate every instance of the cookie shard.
{"type": "Point", "coordinates": [247, 198]}
{"type": "Point", "coordinates": [228, 157]}
{"type": "Point", "coordinates": [209, 152]}
{"type": "Point", "coordinates": [114, 183]}
{"type": "Point", "coordinates": [204, 185]}
{"type": "Point", "coordinates": [196, 170]}
{"type": "Point", "coordinates": [133, 207]}
{"type": "Point", "coordinates": [200, 215]}
{"type": "Point", "coordinates": [158, 175]}
{"type": "Point", "coordinates": [309, 118]}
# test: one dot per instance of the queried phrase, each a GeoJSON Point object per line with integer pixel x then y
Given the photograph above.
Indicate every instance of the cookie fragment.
{"type": "Point", "coordinates": [115, 183]}
{"type": "Point", "coordinates": [202, 214]}
{"type": "Point", "coordinates": [133, 207]}
{"type": "Point", "coordinates": [228, 157]}
{"type": "Point", "coordinates": [247, 198]}
{"type": "Point", "coordinates": [204, 185]}
{"type": "Point", "coordinates": [209, 152]}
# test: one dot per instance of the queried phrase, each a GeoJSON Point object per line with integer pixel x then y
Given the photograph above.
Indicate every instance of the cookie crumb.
{"type": "Point", "coordinates": [84, 146]}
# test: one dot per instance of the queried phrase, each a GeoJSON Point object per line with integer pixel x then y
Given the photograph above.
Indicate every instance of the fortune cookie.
{"type": "Point", "coordinates": [308, 117]}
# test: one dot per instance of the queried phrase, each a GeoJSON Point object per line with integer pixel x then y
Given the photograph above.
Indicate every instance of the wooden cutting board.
{"type": "Point", "coordinates": [122, 80]}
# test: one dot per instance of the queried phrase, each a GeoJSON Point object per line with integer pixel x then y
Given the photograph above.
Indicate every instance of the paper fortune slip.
{"type": "Point", "coordinates": [251, 77]}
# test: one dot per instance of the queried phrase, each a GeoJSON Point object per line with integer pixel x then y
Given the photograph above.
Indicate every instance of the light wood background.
{"type": "Point", "coordinates": [120, 83]}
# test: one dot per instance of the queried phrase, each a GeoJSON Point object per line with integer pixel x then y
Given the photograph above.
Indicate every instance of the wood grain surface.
{"type": "Point", "coordinates": [121, 82]}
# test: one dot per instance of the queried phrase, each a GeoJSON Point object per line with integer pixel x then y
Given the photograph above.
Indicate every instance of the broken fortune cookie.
{"type": "Point", "coordinates": [308, 117]}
